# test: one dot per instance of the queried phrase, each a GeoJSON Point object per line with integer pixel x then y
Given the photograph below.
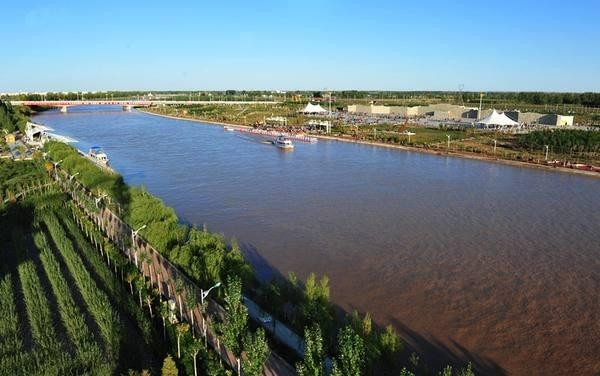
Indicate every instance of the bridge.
{"type": "Point", "coordinates": [127, 104]}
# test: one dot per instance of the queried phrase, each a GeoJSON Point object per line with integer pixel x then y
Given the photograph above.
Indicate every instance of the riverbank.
{"type": "Point", "coordinates": [465, 155]}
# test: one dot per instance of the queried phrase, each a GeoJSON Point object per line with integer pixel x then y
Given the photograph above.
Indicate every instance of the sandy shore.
{"type": "Point", "coordinates": [406, 148]}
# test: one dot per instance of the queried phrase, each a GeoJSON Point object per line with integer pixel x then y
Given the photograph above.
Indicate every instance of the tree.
{"type": "Point", "coordinates": [389, 342]}
{"type": "Point", "coordinates": [234, 327]}
{"type": "Point", "coordinates": [313, 364]}
{"type": "Point", "coordinates": [130, 276]}
{"type": "Point", "coordinates": [169, 367]}
{"type": "Point", "coordinates": [140, 285]}
{"type": "Point", "coordinates": [364, 328]}
{"type": "Point", "coordinates": [467, 371]}
{"type": "Point", "coordinates": [145, 259]}
{"type": "Point", "coordinates": [179, 288]}
{"type": "Point", "coordinates": [192, 303]}
{"type": "Point", "coordinates": [316, 306]}
{"type": "Point", "coordinates": [149, 298]}
{"type": "Point", "coordinates": [181, 329]}
{"type": "Point", "coordinates": [447, 371]}
{"type": "Point", "coordinates": [257, 352]}
{"type": "Point", "coordinates": [351, 353]}
{"type": "Point", "coordinates": [193, 349]}
{"type": "Point", "coordinates": [164, 314]}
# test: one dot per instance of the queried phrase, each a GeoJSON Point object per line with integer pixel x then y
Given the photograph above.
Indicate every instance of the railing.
{"type": "Point", "coordinates": [27, 191]}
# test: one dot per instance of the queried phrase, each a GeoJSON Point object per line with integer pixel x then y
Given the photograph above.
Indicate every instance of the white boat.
{"type": "Point", "coordinates": [283, 143]}
{"type": "Point", "coordinates": [98, 155]}
{"type": "Point", "coordinates": [230, 129]}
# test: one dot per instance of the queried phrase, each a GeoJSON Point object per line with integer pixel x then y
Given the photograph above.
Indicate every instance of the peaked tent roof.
{"type": "Point", "coordinates": [313, 109]}
{"type": "Point", "coordinates": [496, 118]}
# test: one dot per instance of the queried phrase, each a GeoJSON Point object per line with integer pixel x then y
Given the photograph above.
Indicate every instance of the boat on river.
{"type": "Point", "coordinates": [97, 155]}
{"type": "Point", "coordinates": [283, 142]}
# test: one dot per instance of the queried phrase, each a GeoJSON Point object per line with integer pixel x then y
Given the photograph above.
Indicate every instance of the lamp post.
{"type": "Point", "coordinates": [133, 235]}
{"type": "Point", "coordinates": [480, 104]}
{"type": "Point", "coordinates": [55, 166]}
{"type": "Point", "coordinates": [73, 176]}
{"type": "Point", "coordinates": [546, 147]}
{"type": "Point", "coordinates": [448, 144]}
{"type": "Point", "coordinates": [495, 147]}
{"type": "Point", "coordinates": [100, 199]}
{"type": "Point", "coordinates": [204, 294]}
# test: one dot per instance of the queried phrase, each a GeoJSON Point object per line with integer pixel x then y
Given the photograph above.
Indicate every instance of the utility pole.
{"type": "Point", "coordinates": [480, 104]}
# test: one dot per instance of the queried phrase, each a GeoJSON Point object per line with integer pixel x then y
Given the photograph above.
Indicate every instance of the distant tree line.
{"type": "Point", "coordinates": [538, 98]}
{"type": "Point", "coordinates": [589, 99]}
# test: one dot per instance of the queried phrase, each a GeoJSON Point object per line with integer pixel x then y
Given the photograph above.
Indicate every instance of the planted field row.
{"type": "Point", "coordinates": [95, 299]}
{"type": "Point", "coordinates": [115, 289]}
{"type": "Point", "coordinates": [87, 348]}
{"type": "Point", "coordinates": [38, 310]}
{"type": "Point", "coordinates": [10, 341]}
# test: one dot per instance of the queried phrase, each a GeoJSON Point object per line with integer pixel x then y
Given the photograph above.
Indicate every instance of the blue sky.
{"type": "Point", "coordinates": [387, 45]}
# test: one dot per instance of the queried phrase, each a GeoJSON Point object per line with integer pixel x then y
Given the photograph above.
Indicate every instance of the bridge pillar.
{"type": "Point", "coordinates": [127, 108]}
{"type": "Point", "coordinates": [63, 109]}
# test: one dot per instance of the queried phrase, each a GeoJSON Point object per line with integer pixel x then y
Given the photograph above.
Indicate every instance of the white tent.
{"type": "Point", "coordinates": [313, 109]}
{"type": "Point", "coordinates": [497, 120]}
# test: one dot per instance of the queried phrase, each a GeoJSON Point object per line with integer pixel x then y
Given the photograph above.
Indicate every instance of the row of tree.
{"type": "Point", "coordinates": [562, 141]}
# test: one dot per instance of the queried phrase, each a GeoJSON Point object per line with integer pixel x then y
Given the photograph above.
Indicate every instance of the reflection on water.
{"type": "Point", "coordinates": [492, 263]}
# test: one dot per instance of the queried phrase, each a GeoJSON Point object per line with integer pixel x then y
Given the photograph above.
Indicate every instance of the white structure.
{"type": "Point", "coordinates": [320, 123]}
{"type": "Point", "coordinates": [496, 120]}
{"type": "Point", "coordinates": [278, 120]}
{"type": "Point", "coordinates": [313, 109]}
{"type": "Point", "coordinates": [36, 133]}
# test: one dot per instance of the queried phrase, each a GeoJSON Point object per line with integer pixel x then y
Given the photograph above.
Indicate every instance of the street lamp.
{"type": "Point", "coordinates": [72, 176]}
{"type": "Point", "coordinates": [546, 146]}
{"type": "Point", "coordinates": [56, 165]}
{"type": "Point", "coordinates": [494, 147]}
{"type": "Point", "coordinates": [204, 294]}
{"type": "Point", "coordinates": [133, 235]}
{"type": "Point", "coordinates": [448, 141]}
{"type": "Point", "coordinates": [100, 199]}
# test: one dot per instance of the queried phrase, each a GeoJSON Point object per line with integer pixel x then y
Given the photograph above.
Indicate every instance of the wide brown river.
{"type": "Point", "coordinates": [470, 260]}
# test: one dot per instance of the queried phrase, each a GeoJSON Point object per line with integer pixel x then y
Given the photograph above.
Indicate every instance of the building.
{"type": "Point", "coordinates": [524, 117]}
{"type": "Point", "coordinates": [543, 119]}
{"type": "Point", "coordinates": [442, 111]}
{"type": "Point", "coordinates": [556, 120]}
